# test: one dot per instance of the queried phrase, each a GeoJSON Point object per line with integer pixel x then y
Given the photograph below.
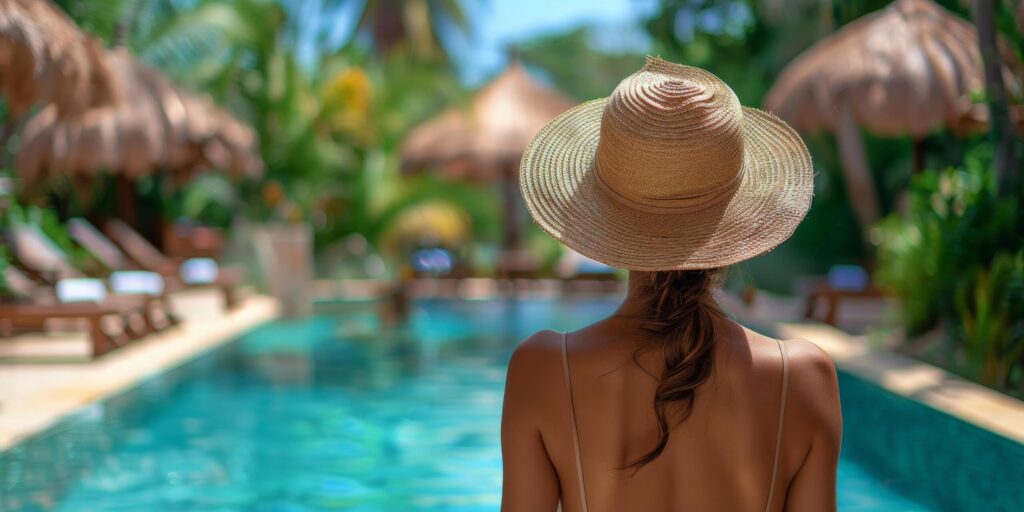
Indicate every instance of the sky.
{"type": "Point", "coordinates": [496, 23]}
{"type": "Point", "coordinates": [499, 22]}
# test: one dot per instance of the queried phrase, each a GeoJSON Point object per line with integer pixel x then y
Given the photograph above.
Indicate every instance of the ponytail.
{"type": "Point", "coordinates": [681, 315]}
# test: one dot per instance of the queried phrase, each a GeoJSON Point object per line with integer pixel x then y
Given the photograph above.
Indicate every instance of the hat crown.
{"type": "Point", "coordinates": [671, 139]}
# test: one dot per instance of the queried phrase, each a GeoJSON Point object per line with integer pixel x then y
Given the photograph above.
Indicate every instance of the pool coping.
{"type": "Point", "coordinates": [82, 384]}
{"type": "Point", "coordinates": [902, 375]}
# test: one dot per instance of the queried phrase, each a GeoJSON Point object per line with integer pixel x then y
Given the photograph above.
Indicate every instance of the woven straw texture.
{"type": "Point", "coordinates": [668, 173]}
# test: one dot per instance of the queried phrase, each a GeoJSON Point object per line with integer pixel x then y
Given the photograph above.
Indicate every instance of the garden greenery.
{"type": "Point", "coordinates": [955, 261]}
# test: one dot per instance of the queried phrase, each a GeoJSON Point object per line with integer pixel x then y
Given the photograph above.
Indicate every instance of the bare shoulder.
{"type": "Point", "coordinates": [810, 366]}
{"type": "Point", "coordinates": [540, 342]}
{"type": "Point", "coordinates": [814, 388]}
{"type": "Point", "coordinates": [536, 357]}
{"type": "Point", "coordinates": [534, 368]}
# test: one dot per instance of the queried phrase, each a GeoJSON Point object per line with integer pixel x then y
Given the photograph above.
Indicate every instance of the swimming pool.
{"type": "Point", "coordinates": [324, 414]}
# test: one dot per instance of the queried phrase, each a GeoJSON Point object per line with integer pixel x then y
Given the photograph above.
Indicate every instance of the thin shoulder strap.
{"type": "Point", "coordinates": [782, 415]}
{"type": "Point", "coordinates": [572, 422]}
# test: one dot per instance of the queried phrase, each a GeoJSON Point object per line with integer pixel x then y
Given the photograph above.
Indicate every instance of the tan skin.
{"type": "Point", "coordinates": [720, 459]}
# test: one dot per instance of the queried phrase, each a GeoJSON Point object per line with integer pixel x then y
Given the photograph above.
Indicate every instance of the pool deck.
{"type": "Point", "coordinates": [895, 372]}
{"type": "Point", "coordinates": [34, 395]}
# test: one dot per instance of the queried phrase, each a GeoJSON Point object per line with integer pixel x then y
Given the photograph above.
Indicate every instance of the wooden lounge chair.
{"type": "Point", "coordinates": [37, 253]}
{"type": "Point", "coordinates": [110, 255]}
{"type": "Point", "coordinates": [138, 249]}
{"type": "Point", "coordinates": [843, 282]}
{"type": "Point", "coordinates": [37, 306]}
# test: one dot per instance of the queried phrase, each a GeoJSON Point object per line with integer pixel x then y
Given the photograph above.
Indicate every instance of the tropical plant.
{"type": "Point", "coordinates": [413, 26]}
{"type": "Point", "coordinates": [990, 314]}
{"type": "Point", "coordinates": [4, 263]}
{"type": "Point", "coordinates": [956, 221]}
{"type": "Point", "coordinates": [50, 224]}
{"type": "Point", "coordinates": [956, 261]}
{"type": "Point", "coordinates": [329, 121]}
{"type": "Point", "coordinates": [566, 57]}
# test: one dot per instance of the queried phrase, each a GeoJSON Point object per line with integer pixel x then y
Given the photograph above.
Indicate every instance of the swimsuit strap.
{"type": "Point", "coordinates": [572, 422]}
{"type": "Point", "coordinates": [782, 412]}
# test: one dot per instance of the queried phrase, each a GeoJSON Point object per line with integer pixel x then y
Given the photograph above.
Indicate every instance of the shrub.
{"type": "Point", "coordinates": [956, 259]}
{"type": "Point", "coordinates": [990, 314]}
{"type": "Point", "coordinates": [955, 222]}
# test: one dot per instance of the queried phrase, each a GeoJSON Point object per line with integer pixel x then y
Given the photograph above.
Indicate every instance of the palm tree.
{"type": "Point", "coordinates": [411, 24]}
{"type": "Point", "coordinates": [1002, 130]}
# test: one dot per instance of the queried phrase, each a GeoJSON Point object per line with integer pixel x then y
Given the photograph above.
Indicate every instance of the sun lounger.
{"type": "Point", "coordinates": [127, 272]}
{"type": "Point", "coordinates": [44, 259]}
{"type": "Point", "coordinates": [36, 306]}
{"type": "Point", "coordinates": [843, 282]}
{"type": "Point", "coordinates": [194, 272]}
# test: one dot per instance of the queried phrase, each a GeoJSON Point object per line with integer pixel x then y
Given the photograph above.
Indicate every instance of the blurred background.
{"type": "Point", "coordinates": [381, 138]}
{"type": "Point", "coordinates": [327, 151]}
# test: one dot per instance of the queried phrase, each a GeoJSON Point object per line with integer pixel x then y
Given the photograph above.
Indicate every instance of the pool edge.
{"type": "Point", "coordinates": [96, 380]}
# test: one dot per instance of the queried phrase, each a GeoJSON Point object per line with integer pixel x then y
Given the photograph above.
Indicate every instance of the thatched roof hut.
{"type": "Point", "coordinates": [481, 141]}
{"type": "Point", "coordinates": [907, 69]}
{"type": "Point", "coordinates": [153, 126]}
{"type": "Point", "coordinates": [904, 70]}
{"type": "Point", "coordinates": [44, 56]}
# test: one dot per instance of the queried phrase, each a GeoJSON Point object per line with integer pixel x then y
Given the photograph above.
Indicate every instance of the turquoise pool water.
{"type": "Point", "coordinates": [324, 414]}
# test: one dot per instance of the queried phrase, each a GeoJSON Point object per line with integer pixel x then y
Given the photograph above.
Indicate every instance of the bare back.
{"type": "Point", "coordinates": [723, 457]}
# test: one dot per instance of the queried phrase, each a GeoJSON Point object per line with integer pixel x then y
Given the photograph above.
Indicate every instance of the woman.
{"type": "Point", "coordinates": [668, 405]}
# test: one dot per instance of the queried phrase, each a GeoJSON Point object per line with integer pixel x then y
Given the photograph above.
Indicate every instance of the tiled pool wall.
{"type": "Point", "coordinates": [928, 455]}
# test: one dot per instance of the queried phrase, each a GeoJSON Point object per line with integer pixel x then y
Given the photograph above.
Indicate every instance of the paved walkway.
{"type": "Point", "coordinates": [35, 395]}
{"type": "Point", "coordinates": [864, 355]}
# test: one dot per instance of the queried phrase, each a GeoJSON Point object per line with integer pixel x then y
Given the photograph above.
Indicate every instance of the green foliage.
{"type": "Point", "coordinates": [955, 222]}
{"type": "Point", "coordinates": [990, 310]}
{"type": "Point", "coordinates": [49, 224]}
{"type": "Point", "coordinates": [956, 260]}
{"type": "Point", "coordinates": [5, 261]}
{"type": "Point", "coordinates": [566, 57]}
{"type": "Point", "coordinates": [329, 126]}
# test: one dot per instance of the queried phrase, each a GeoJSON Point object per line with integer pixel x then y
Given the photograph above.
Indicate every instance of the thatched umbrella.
{"type": "Point", "coordinates": [44, 56]}
{"type": "Point", "coordinates": [484, 141]}
{"type": "Point", "coordinates": [154, 126]}
{"type": "Point", "coordinates": [904, 70]}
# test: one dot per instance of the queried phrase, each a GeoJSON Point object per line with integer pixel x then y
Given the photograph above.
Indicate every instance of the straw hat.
{"type": "Point", "coordinates": [668, 173]}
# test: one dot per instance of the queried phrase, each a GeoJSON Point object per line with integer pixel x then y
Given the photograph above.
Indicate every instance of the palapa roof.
{"type": "Point", "coordinates": [476, 142]}
{"type": "Point", "coordinates": [905, 69]}
{"type": "Point", "coordinates": [154, 125]}
{"type": "Point", "coordinates": [44, 56]}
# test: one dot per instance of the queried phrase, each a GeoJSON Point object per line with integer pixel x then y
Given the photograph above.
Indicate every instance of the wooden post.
{"type": "Point", "coordinates": [918, 155]}
{"type": "Point", "coordinates": [127, 201]}
{"type": "Point", "coordinates": [511, 209]}
{"type": "Point", "coordinates": [860, 186]}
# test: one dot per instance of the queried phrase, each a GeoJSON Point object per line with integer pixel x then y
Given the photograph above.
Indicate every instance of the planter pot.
{"type": "Point", "coordinates": [284, 263]}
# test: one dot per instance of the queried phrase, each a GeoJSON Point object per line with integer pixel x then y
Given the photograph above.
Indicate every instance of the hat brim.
{"type": "Point", "coordinates": [558, 183]}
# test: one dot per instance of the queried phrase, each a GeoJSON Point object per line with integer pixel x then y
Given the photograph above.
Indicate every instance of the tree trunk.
{"type": "Point", "coordinates": [860, 186]}
{"type": "Point", "coordinates": [388, 26]}
{"type": "Point", "coordinates": [918, 155]}
{"type": "Point", "coordinates": [1000, 126]}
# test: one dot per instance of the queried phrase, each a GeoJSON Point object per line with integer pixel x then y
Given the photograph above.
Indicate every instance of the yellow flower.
{"type": "Point", "coordinates": [347, 103]}
{"type": "Point", "coordinates": [348, 90]}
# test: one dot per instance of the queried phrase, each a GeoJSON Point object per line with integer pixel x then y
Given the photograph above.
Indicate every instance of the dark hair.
{"type": "Point", "coordinates": [681, 320]}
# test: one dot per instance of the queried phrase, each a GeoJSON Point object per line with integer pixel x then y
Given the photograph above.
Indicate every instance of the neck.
{"type": "Point", "coordinates": [636, 302]}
